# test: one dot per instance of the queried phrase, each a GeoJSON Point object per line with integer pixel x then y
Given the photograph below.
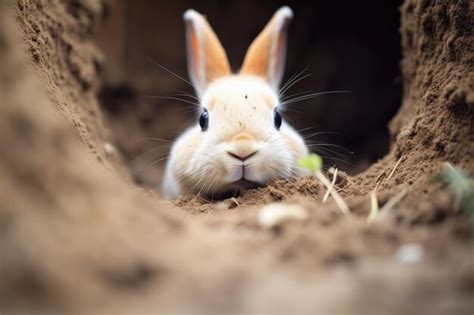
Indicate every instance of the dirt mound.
{"type": "Point", "coordinates": [77, 235]}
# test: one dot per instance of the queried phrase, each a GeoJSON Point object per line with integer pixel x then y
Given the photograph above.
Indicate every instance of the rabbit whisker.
{"type": "Point", "coordinates": [188, 94]}
{"type": "Point", "coordinates": [312, 95]}
{"type": "Point", "coordinates": [332, 145]}
{"type": "Point", "coordinates": [172, 98]}
{"type": "Point", "coordinates": [158, 139]}
{"type": "Point", "coordinates": [291, 80]}
{"type": "Point", "coordinates": [170, 72]}
{"type": "Point", "coordinates": [294, 82]}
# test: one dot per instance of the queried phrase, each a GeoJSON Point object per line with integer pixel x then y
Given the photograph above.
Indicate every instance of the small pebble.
{"type": "Point", "coordinates": [109, 148]}
{"type": "Point", "coordinates": [409, 253]}
{"type": "Point", "coordinates": [226, 204]}
{"type": "Point", "coordinates": [276, 214]}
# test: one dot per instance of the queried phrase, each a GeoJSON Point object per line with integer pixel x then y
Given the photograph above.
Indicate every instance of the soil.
{"type": "Point", "coordinates": [78, 235]}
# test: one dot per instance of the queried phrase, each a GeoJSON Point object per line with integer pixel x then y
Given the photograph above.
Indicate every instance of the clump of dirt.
{"type": "Point", "coordinates": [77, 235]}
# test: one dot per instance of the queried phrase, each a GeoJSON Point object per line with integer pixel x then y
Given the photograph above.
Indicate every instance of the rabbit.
{"type": "Point", "coordinates": [240, 139]}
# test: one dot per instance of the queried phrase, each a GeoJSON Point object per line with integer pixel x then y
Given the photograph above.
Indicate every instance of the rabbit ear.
{"type": "Point", "coordinates": [266, 55]}
{"type": "Point", "coordinates": [207, 59]}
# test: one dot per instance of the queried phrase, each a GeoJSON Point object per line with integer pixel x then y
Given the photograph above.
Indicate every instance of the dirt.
{"type": "Point", "coordinates": [77, 235]}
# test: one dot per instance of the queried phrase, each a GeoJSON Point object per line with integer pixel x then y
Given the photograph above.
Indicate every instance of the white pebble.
{"type": "Point", "coordinates": [409, 253]}
{"type": "Point", "coordinates": [109, 148]}
{"type": "Point", "coordinates": [276, 214]}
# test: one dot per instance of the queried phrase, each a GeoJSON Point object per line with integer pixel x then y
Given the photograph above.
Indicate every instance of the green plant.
{"type": "Point", "coordinates": [462, 187]}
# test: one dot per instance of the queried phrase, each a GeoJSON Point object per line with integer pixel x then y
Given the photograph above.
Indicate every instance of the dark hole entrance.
{"type": "Point", "coordinates": [352, 46]}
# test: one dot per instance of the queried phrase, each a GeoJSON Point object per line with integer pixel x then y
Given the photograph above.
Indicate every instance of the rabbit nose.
{"type": "Point", "coordinates": [242, 146]}
{"type": "Point", "coordinates": [240, 156]}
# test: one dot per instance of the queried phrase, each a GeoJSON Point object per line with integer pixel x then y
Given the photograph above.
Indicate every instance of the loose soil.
{"type": "Point", "coordinates": [77, 234]}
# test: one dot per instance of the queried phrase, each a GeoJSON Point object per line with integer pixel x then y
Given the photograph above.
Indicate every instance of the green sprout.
{"type": "Point", "coordinates": [462, 187]}
{"type": "Point", "coordinates": [311, 162]}
{"type": "Point", "coordinates": [314, 163]}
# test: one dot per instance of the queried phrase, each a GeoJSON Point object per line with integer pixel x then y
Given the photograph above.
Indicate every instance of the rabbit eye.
{"type": "Point", "coordinates": [277, 120]}
{"type": "Point", "coordinates": [204, 120]}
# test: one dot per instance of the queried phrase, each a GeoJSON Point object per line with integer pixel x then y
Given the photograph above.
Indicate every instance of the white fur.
{"type": "Point", "coordinates": [199, 162]}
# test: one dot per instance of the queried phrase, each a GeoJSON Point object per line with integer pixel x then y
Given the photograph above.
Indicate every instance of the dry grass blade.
{"type": "Point", "coordinates": [374, 207]}
{"type": "Point", "coordinates": [335, 195]}
{"type": "Point", "coordinates": [236, 203]}
{"type": "Point", "coordinates": [379, 180]}
{"type": "Point", "coordinates": [394, 168]}
{"type": "Point", "coordinates": [333, 182]}
{"type": "Point", "coordinates": [392, 202]}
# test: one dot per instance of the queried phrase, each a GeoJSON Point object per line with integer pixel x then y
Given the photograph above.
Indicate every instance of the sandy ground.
{"type": "Point", "coordinates": [76, 234]}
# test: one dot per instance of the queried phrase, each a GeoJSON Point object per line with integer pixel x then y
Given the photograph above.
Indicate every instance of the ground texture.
{"type": "Point", "coordinates": [76, 234]}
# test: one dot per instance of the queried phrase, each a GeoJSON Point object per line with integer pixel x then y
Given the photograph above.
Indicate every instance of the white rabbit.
{"type": "Point", "coordinates": [240, 140]}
